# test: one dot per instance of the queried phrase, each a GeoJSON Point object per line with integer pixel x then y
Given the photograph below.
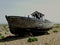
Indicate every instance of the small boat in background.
{"type": "Point", "coordinates": [36, 23]}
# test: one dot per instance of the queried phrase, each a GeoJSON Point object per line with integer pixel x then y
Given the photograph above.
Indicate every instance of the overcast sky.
{"type": "Point", "coordinates": [51, 8]}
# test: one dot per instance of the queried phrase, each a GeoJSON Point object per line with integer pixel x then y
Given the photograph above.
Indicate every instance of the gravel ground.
{"type": "Point", "coordinates": [49, 39]}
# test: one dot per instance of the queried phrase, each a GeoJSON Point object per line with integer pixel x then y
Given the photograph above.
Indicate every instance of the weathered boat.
{"type": "Point", "coordinates": [21, 25]}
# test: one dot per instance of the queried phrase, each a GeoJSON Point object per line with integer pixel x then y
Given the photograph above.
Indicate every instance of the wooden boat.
{"type": "Point", "coordinates": [36, 23]}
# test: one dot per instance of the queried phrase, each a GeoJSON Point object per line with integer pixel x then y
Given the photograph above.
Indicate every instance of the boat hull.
{"type": "Point", "coordinates": [25, 24]}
